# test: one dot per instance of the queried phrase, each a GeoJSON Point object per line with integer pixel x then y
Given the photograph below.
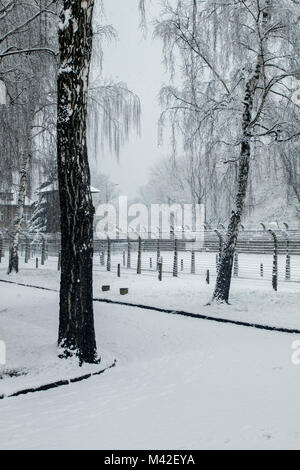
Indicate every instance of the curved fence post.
{"type": "Point", "coordinates": [288, 262]}
{"type": "Point", "coordinates": [288, 257]}
{"type": "Point", "coordinates": [128, 253]}
{"type": "Point", "coordinates": [193, 262]}
{"type": "Point", "coordinates": [1, 246]}
{"type": "Point", "coordinates": [27, 250]}
{"type": "Point", "coordinates": [102, 256]}
{"type": "Point", "coordinates": [175, 264]}
{"type": "Point", "coordinates": [43, 253]}
{"type": "Point", "coordinates": [236, 265]}
{"type": "Point", "coordinates": [158, 252]}
{"type": "Point", "coordinates": [139, 261]}
{"type": "Point", "coordinates": [108, 264]}
{"type": "Point", "coordinates": [160, 268]}
{"type": "Point", "coordinates": [275, 261]}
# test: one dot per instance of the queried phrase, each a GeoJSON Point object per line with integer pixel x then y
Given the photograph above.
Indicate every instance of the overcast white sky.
{"type": "Point", "coordinates": [138, 62]}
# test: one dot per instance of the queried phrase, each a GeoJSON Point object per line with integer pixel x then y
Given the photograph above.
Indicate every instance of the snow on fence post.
{"type": "Point", "coordinates": [193, 262]}
{"type": "Point", "coordinates": [175, 264]}
{"type": "Point", "coordinates": [275, 261]}
{"type": "Point", "coordinates": [236, 265]}
{"type": "Point", "coordinates": [139, 261]}
{"type": "Point", "coordinates": [108, 265]}
{"type": "Point", "coordinates": [128, 253]}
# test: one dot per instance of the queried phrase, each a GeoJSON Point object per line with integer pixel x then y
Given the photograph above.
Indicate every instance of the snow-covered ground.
{"type": "Point", "coordinates": [179, 383]}
{"type": "Point", "coordinates": [252, 300]}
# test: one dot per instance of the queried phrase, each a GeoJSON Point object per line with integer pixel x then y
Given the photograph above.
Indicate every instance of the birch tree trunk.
{"type": "Point", "coordinates": [76, 326]}
{"type": "Point", "coordinates": [222, 289]}
{"type": "Point", "coordinates": [223, 282]}
{"type": "Point", "coordinates": [17, 226]}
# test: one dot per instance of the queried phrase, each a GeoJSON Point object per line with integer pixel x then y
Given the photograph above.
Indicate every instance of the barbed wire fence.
{"type": "Point", "coordinates": [264, 254]}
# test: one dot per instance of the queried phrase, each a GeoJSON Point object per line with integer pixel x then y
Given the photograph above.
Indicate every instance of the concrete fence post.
{"type": "Point", "coordinates": [158, 252]}
{"type": "Point", "coordinates": [193, 262]}
{"type": "Point", "coordinates": [175, 264]}
{"type": "Point", "coordinates": [275, 261]}
{"type": "Point", "coordinates": [139, 261]}
{"type": "Point", "coordinates": [160, 268]}
{"type": "Point", "coordinates": [108, 264]}
{"type": "Point", "coordinates": [128, 253]}
{"type": "Point", "coordinates": [236, 265]}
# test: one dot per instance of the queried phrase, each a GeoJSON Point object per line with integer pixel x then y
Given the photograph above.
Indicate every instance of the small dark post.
{"type": "Point", "coordinates": [182, 265]}
{"type": "Point", "coordinates": [36, 263]}
{"type": "Point", "coordinates": [160, 268]}
{"type": "Point", "coordinates": [128, 253]}
{"type": "Point", "coordinates": [207, 277]}
{"type": "Point", "coordinates": [139, 261]}
{"type": "Point", "coordinates": [151, 263]}
{"type": "Point", "coordinates": [261, 270]}
{"type": "Point", "coordinates": [175, 265]}
{"type": "Point", "coordinates": [108, 265]}
{"type": "Point", "coordinates": [59, 261]}
{"type": "Point", "coordinates": [102, 258]}
{"type": "Point", "coordinates": [193, 263]}
{"type": "Point", "coordinates": [236, 265]}
{"type": "Point", "coordinates": [119, 270]}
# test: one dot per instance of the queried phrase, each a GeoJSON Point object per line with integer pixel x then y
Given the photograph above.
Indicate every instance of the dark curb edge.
{"type": "Point", "coordinates": [60, 383]}
{"type": "Point", "coordinates": [178, 312]}
{"type": "Point", "coordinates": [203, 317]}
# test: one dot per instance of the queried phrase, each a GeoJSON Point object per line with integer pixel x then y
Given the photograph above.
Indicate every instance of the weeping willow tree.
{"type": "Point", "coordinates": [236, 58]}
{"type": "Point", "coordinates": [114, 111]}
